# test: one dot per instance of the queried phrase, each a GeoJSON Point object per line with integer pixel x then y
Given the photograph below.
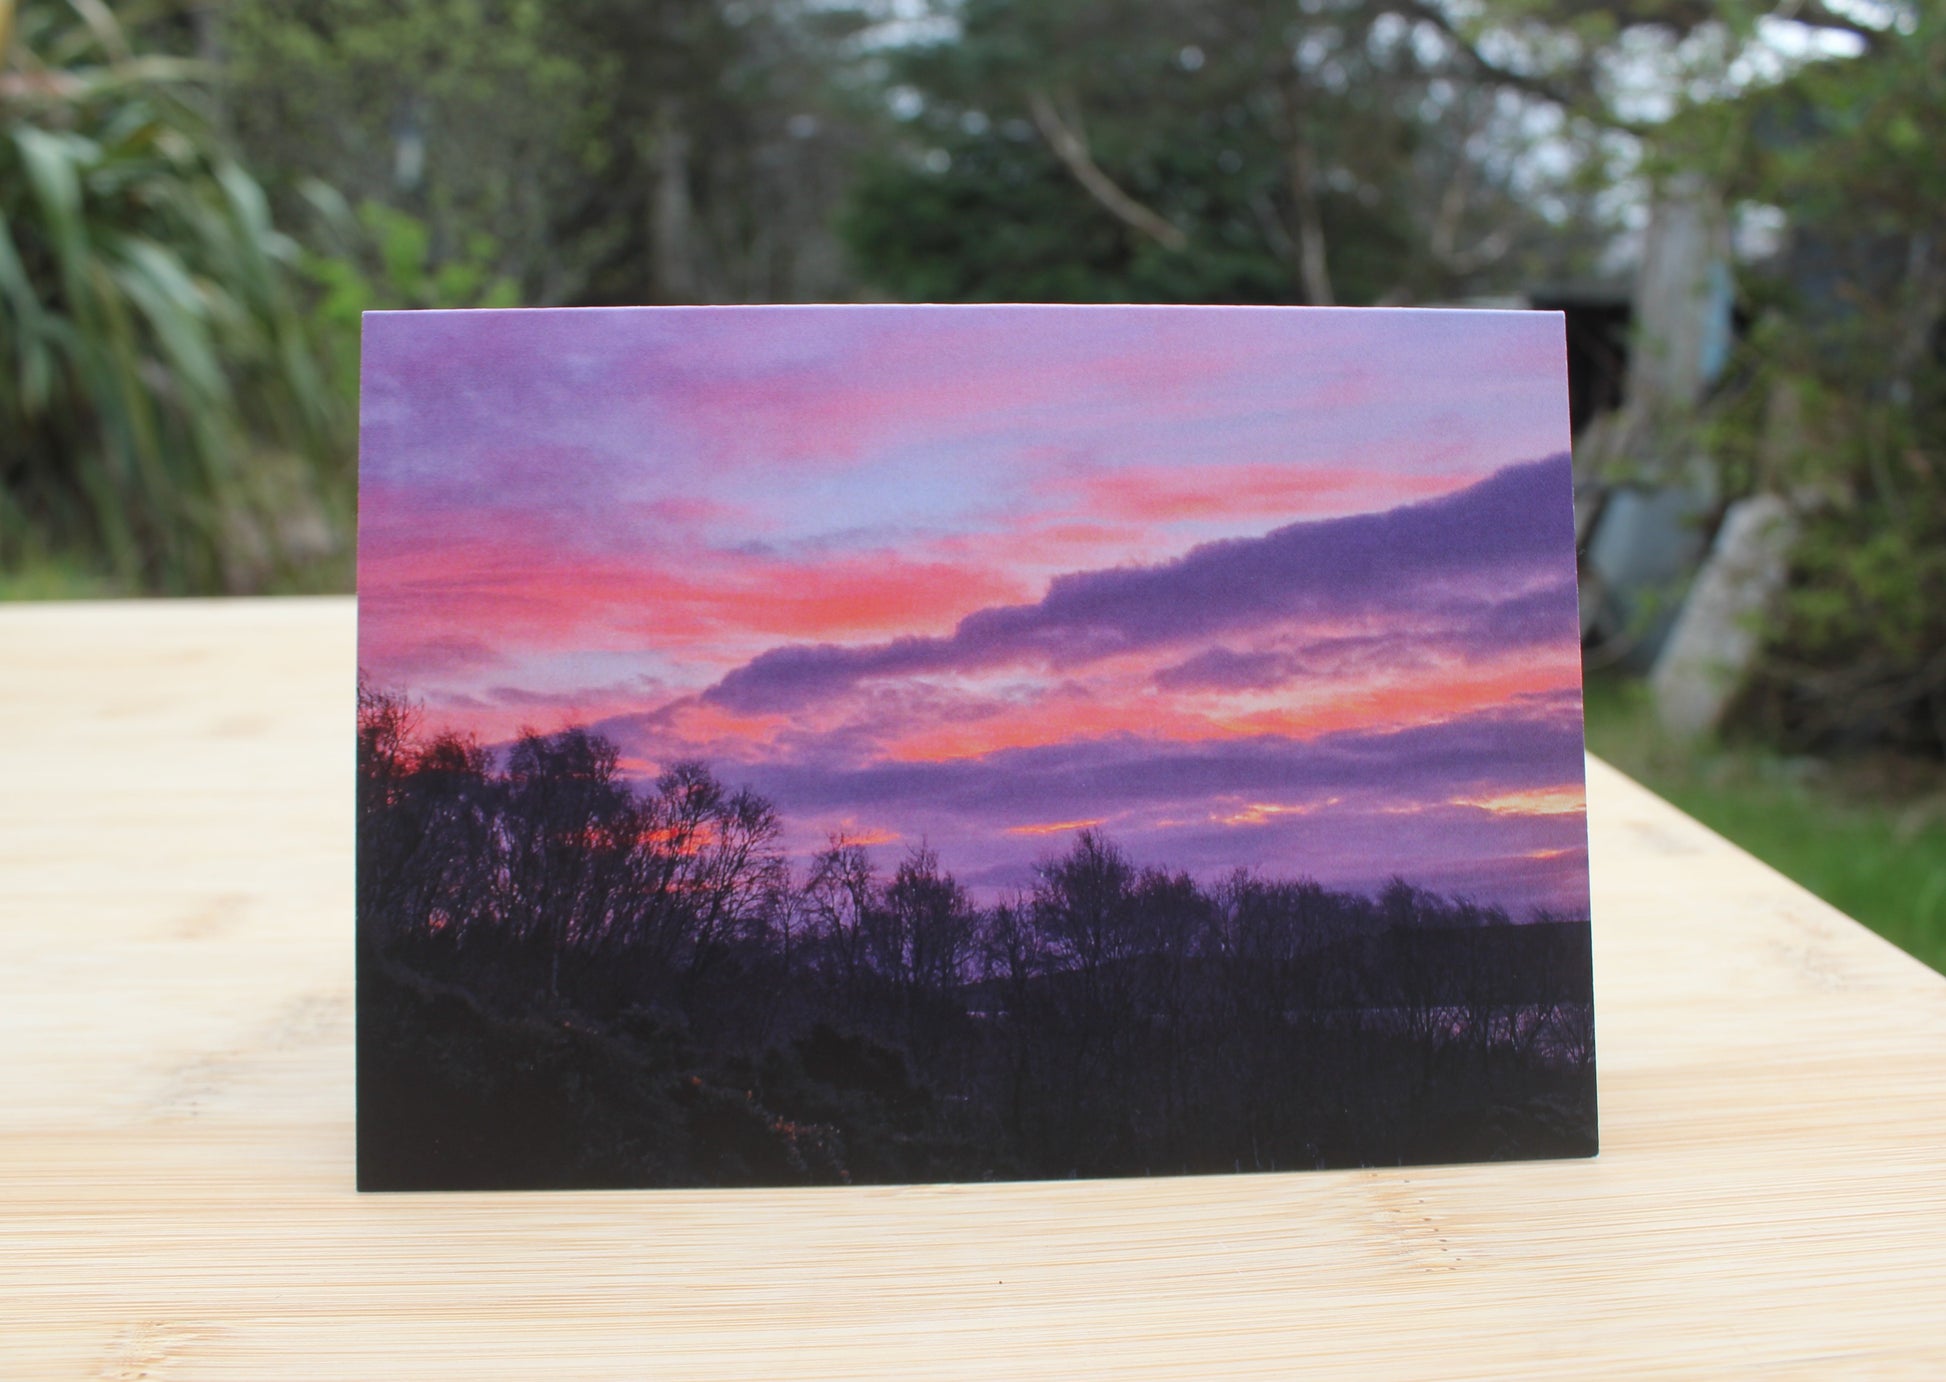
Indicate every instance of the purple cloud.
{"type": "Point", "coordinates": [1353, 808]}
{"type": "Point", "coordinates": [1462, 628]}
{"type": "Point", "coordinates": [1226, 669]}
{"type": "Point", "coordinates": [1447, 556]}
{"type": "Point", "coordinates": [1502, 750]}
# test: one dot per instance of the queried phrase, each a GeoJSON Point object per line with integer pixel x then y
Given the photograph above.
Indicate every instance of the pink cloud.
{"type": "Point", "coordinates": [953, 544]}
{"type": "Point", "coordinates": [513, 585]}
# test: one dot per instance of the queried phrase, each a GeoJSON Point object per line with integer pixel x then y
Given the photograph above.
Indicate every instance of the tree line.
{"type": "Point", "coordinates": [569, 980]}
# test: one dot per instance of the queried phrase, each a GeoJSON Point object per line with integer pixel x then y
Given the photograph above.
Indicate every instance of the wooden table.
{"type": "Point", "coordinates": [176, 1124]}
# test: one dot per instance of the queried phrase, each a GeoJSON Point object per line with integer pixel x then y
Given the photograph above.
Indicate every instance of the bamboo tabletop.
{"type": "Point", "coordinates": [176, 1124]}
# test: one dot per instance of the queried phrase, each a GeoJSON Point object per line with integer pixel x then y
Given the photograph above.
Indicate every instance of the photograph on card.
{"type": "Point", "coordinates": [865, 745]}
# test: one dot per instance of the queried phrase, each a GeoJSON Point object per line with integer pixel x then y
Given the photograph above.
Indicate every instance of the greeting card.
{"type": "Point", "coordinates": [845, 745]}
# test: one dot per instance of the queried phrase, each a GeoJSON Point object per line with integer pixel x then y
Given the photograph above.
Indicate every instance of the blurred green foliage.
{"type": "Point", "coordinates": [612, 150]}
{"type": "Point", "coordinates": [1190, 151]}
{"type": "Point", "coordinates": [1841, 399]}
{"type": "Point", "coordinates": [458, 113]}
{"type": "Point", "coordinates": [179, 356]}
{"type": "Point", "coordinates": [382, 258]}
{"type": "Point", "coordinates": [166, 425]}
{"type": "Point", "coordinates": [998, 219]}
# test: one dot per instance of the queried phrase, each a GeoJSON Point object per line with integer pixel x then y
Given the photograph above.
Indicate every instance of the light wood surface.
{"type": "Point", "coordinates": [176, 1124]}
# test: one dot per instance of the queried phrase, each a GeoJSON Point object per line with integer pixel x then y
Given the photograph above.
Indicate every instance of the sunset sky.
{"type": "Point", "coordinates": [1284, 589]}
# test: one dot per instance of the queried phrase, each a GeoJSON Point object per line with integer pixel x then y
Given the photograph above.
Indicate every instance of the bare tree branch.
{"type": "Point", "coordinates": [1072, 150]}
{"type": "Point", "coordinates": [1500, 75]}
{"type": "Point", "coordinates": [1818, 15]}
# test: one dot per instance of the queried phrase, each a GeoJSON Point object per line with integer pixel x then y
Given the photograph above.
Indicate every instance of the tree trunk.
{"type": "Point", "coordinates": [671, 212]}
{"type": "Point", "coordinates": [1300, 158]}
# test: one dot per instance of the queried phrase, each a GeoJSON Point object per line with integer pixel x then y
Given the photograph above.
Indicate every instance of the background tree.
{"type": "Point", "coordinates": [461, 114]}
{"type": "Point", "coordinates": [719, 140]}
{"type": "Point", "coordinates": [1839, 397]}
{"type": "Point", "coordinates": [1252, 150]}
{"type": "Point", "coordinates": [588, 151]}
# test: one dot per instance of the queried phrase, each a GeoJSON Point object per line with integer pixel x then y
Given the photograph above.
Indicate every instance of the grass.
{"type": "Point", "coordinates": [1868, 836]}
{"type": "Point", "coordinates": [46, 578]}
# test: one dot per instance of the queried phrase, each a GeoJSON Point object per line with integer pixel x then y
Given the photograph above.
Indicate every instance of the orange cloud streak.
{"type": "Point", "coordinates": [1263, 812]}
{"type": "Point", "coordinates": [1567, 799]}
{"type": "Point", "coordinates": [1423, 699]}
{"type": "Point", "coordinates": [1157, 493]}
{"type": "Point", "coordinates": [1054, 827]}
{"type": "Point", "coordinates": [1062, 718]}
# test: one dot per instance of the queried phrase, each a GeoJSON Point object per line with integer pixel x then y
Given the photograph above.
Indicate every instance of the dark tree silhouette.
{"type": "Point", "coordinates": [569, 979]}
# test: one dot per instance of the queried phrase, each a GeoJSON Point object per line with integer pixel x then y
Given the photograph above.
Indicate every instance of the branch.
{"type": "Point", "coordinates": [1072, 150]}
{"type": "Point", "coordinates": [1817, 15]}
{"type": "Point", "coordinates": [1539, 87]}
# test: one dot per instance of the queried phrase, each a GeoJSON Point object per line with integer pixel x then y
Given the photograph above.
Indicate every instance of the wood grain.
{"type": "Point", "coordinates": [176, 1124]}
